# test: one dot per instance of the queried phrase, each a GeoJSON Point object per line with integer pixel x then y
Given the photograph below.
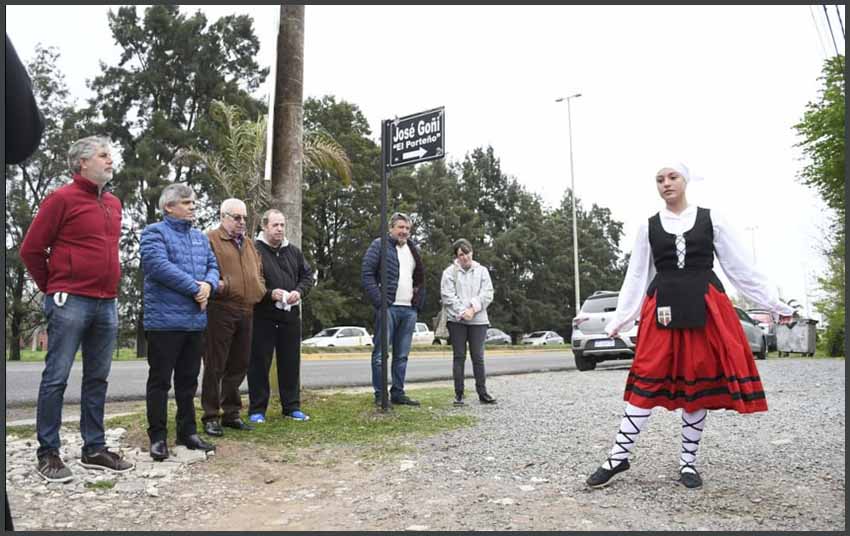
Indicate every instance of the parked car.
{"type": "Point", "coordinates": [340, 336]}
{"type": "Point", "coordinates": [497, 336]}
{"type": "Point", "coordinates": [542, 338]}
{"type": "Point", "coordinates": [767, 323]}
{"type": "Point", "coordinates": [755, 336]}
{"type": "Point", "coordinates": [422, 335]}
{"type": "Point", "coordinates": [590, 343]}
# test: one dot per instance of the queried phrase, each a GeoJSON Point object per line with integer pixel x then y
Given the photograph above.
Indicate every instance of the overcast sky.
{"type": "Point", "coordinates": [718, 87]}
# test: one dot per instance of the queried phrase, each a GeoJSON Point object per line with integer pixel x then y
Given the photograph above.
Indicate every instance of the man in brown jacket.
{"type": "Point", "coordinates": [230, 316]}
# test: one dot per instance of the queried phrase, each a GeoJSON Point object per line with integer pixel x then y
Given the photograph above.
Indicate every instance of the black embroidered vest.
{"type": "Point", "coordinates": [680, 287]}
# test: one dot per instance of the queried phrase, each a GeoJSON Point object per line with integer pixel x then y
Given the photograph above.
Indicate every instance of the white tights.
{"type": "Point", "coordinates": [634, 421]}
{"type": "Point", "coordinates": [692, 426]}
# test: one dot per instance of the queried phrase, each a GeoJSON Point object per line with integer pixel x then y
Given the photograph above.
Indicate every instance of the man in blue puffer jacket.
{"type": "Point", "coordinates": [180, 274]}
{"type": "Point", "coordinates": [405, 298]}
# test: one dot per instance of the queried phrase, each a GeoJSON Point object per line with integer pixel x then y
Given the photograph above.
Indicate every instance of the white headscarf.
{"type": "Point", "coordinates": [683, 170]}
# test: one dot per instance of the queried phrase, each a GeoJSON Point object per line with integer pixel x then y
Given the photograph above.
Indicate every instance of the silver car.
{"type": "Point", "coordinates": [542, 338]}
{"type": "Point", "coordinates": [755, 335]}
{"type": "Point", "coordinates": [590, 342]}
{"type": "Point", "coordinates": [497, 336]}
{"type": "Point", "coordinates": [767, 323]}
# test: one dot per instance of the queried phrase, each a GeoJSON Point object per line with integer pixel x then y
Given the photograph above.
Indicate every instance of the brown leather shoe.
{"type": "Point", "coordinates": [105, 460]}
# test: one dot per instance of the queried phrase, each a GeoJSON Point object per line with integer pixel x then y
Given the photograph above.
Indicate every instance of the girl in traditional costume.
{"type": "Point", "coordinates": [691, 352]}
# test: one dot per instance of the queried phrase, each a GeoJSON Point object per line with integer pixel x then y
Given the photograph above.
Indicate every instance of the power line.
{"type": "Point", "coordinates": [826, 14]}
{"type": "Point", "coordinates": [817, 31]}
{"type": "Point", "coordinates": [841, 22]}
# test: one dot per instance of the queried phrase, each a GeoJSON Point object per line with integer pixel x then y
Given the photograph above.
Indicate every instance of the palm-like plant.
{"type": "Point", "coordinates": [322, 152]}
{"type": "Point", "coordinates": [239, 166]}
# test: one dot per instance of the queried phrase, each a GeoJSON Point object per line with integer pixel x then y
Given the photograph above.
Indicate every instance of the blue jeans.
{"type": "Point", "coordinates": [92, 323]}
{"type": "Point", "coordinates": [401, 321]}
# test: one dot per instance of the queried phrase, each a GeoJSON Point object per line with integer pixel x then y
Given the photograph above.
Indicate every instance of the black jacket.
{"type": "Point", "coordinates": [285, 268]}
{"type": "Point", "coordinates": [24, 122]}
{"type": "Point", "coordinates": [370, 273]}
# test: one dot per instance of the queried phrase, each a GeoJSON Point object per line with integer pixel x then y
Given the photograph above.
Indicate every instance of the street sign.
{"type": "Point", "coordinates": [417, 138]}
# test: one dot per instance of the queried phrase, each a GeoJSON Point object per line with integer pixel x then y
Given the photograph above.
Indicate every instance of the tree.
{"type": "Point", "coordinates": [237, 163]}
{"type": "Point", "coordinates": [237, 160]}
{"type": "Point", "coordinates": [288, 150]}
{"type": "Point", "coordinates": [494, 195]}
{"type": "Point", "coordinates": [154, 103]}
{"type": "Point", "coordinates": [338, 215]}
{"type": "Point", "coordinates": [28, 183]}
{"type": "Point", "coordinates": [823, 133]}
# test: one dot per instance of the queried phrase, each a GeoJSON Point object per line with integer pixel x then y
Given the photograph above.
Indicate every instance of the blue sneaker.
{"type": "Point", "coordinates": [258, 418]}
{"type": "Point", "coordinates": [298, 415]}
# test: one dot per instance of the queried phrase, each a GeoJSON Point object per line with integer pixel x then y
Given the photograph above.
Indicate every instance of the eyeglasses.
{"type": "Point", "coordinates": [237, 217]}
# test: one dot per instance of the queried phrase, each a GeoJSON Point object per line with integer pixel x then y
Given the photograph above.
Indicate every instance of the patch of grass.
{"type": "Point", "coordinates": [338, 418]}
{"type": "Point", "coordinates": [354, 419]}
{"type": "Point", "coordinates": [100, 485]}
{"type": "Point", "coordinates": [21, 431]}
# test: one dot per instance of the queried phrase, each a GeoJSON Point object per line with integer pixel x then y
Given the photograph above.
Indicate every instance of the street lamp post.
{"type": "Point", "coordinates": [573, 189]}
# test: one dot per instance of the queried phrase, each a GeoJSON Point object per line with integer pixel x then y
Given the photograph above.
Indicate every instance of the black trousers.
{"type": "Point", "coordinates": [282, 339]}
{"type": "Point", "coordinates": [474, 335]}
{"type": "Point", "coordinates": [176, 353]}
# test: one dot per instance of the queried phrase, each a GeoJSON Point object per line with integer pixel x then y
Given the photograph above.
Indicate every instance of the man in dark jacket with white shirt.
{"type": "Point", "coordinates": [277, 321]}
{"type": "Point", "coordinates": [405, 298]}
{"type": "Point", "coordinates": [181, 272]}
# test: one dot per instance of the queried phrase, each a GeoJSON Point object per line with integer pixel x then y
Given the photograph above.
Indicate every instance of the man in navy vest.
{"type": "Point", "coordinates": [405, 298]}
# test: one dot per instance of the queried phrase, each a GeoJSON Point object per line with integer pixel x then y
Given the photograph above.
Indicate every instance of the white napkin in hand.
{"type": "Point", "coordinates": [282, 303]}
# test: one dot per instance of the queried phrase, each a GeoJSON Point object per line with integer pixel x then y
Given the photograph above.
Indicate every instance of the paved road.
{"type": "Point", "coordinates": [127, 379]}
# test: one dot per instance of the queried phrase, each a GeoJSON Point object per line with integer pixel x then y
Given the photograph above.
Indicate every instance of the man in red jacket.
{"type": "Point", "coordinates": [71, 252]}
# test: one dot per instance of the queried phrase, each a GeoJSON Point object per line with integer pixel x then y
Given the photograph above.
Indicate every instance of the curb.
{"type": "Point", "coordinates": [415, 355]}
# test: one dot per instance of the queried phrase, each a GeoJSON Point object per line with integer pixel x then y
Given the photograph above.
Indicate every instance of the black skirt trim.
{"type": "Point", "coordinates": [681, 379]}
{"type": "Point", "coordinates": [681, 395]}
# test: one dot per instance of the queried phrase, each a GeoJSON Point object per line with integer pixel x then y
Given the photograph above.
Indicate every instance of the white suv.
{"type": "Point", "coordinates": [590, 343]}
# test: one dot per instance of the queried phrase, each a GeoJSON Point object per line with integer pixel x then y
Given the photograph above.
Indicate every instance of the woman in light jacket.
{"type": "Point", "coordinates": [466, 291]}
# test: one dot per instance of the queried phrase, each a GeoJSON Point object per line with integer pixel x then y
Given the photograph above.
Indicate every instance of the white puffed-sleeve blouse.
{"type": "Point", "coordinates": [728, 249]}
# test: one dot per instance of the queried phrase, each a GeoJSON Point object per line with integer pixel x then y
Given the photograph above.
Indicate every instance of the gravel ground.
{"type": "Point", "coordinates": [522, 467]}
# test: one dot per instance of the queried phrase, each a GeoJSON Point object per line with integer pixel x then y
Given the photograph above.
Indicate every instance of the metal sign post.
{"type": "Point", "coordinates": [404, 141]}
{"type": "Point", "coordinates": [382, 315]}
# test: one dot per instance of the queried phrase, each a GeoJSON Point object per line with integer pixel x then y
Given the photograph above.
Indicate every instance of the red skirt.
{"type": "Point", "coordinates": [711, 367]}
